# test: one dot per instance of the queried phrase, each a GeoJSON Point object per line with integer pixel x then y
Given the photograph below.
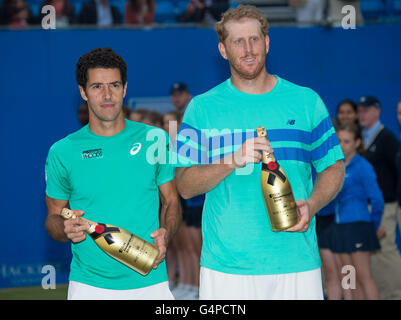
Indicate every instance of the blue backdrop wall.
{"type": "Point", "coordinates": [39, 99]}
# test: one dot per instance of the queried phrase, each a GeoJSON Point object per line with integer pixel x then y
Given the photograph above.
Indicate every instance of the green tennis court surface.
{"type": "Point", "coordinates": [35, 293]}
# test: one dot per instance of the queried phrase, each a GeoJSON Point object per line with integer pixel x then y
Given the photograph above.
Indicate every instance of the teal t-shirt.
{"type": "Point", "coordinates": [237, 237]}
{"type": "Point", "coordinates": [115, 181]}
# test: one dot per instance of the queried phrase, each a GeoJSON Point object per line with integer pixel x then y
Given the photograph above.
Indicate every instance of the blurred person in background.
{"type": "Point", "coordinates": [399, 116]}
{"type": "Point", "coordinates": [138, 114]}
{"type": "Point", "coordinates": [195, 12]}
{"type": "Point", "coordinates": [357, 225]}
{"type": "Point", "coordinates": [179, 252]}
{"type": "Point", "coordinates": [187, 244]}
{"type": "Point", "coordinates": [398, 164]}
{"type": "Point", "coordinates": [153, 118]}
{"type": "Point", "coordinates": [309, 11]}
{"type": "Point", "coordinates": [17, 13]}
{"type": "Point", "coordinates": [180, 96]}
{"type": "Point", "coordinates": [64, 12]}
{"type": "Point", "coordinates": [347, 112]}
{"type": "Point", "coordinates": [83, 114]}
{"type": "Point", "coordinates": [139, 11]}
{"type": "Point", "coordinates": [381, 148]}
{"type": "Point", "coordinates": [208, 11]}
{"type": "Point", "coordinates": [172, 116]}
{"type": "Point", "coordinates": [331, 263]}
{"type": "Point", "coordinates": [100, 13]}
{"type": "Point", "coordinates": [127, 111]}
{"type": "Point", "coordinates": [335, 15]}
{"type": "Point", "coordinates": [325, 221]}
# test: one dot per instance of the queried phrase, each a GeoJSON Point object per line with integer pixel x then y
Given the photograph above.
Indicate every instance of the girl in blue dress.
{"type": "Point", "coordinates": [359, 209]}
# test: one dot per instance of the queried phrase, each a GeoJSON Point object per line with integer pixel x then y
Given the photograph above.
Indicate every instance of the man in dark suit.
{"type": "Point", "coordinates": [381, 148]}
{"type": "Point", "coordinates": [99, 12]}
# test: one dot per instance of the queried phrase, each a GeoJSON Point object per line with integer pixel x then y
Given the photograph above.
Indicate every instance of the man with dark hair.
{"type": "Point", "coordinates": [100, 13]}
{"type": "Point", "coordinates": [119, 184]}
{"type": "Point", "coordinates": [381, 150]}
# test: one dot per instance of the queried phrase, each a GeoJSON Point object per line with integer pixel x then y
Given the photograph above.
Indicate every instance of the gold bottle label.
{"type": "Point", "coordinates": [277, 192]}
{"type": "Point", "coordinates": [121, 244]}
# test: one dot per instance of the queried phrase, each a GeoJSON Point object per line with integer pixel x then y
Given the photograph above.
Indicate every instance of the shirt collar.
{"type": "Point", "coordinates": [368, 133]}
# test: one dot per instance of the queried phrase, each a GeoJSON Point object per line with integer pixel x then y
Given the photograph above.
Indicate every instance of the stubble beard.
{"type": "Point", "coordinates": [99, 117]}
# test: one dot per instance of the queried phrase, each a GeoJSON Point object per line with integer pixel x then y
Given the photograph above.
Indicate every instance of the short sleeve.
{"type": "Point", "coordinates": [57, 176]}
{"type": "Point", "coordinates": [190, 147]}
{"type": "Point", "coordinates": [164, 169]}
{"type": "Point", "coordinates": [326, 149]}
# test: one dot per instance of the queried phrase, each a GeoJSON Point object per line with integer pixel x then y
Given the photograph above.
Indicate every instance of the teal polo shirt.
{"type": "Point", "coordinates": [114, 180]}
{"type": "Point", "coordinates": [237, 237]}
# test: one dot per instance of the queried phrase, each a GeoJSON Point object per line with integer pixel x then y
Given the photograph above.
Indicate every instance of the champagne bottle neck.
{"type": "Point", "coordinates": [69, 214]}
{"type": "Point", "coordinates": [267, 157]}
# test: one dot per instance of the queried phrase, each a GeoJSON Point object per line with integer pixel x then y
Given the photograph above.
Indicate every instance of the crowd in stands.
{"type": "Point", "coordinates": [339, 12]}
{"type": "Point", "coordinates": [106, 13]}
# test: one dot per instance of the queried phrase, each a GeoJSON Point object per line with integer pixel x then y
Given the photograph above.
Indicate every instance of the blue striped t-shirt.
{"type": "Point", "coordinates": [237, 237]}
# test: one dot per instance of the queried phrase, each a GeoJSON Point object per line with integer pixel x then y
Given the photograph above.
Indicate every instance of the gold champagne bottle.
{"type": "Point", "coordinates": [277, 191]}
{"type": "Point", "coordinates": [121, 244]}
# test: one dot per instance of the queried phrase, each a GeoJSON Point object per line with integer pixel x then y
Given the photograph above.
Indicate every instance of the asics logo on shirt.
{"type": "Point", "coordinates": [135, 148]}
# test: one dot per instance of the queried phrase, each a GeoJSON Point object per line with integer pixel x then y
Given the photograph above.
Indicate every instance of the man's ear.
{"type": "Point", "coordinates": [83, 93]}
{"type": "Point", "coordinates": [267, 39]}
{"type": "Point", "coordinates": [222, 50]}
{"type": "Point", "coordinates": [125, 89]}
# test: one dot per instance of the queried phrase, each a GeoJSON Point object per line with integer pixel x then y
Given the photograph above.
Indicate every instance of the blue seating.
{"type": "Point", "coordinates": [35, 8]}
{"type": "Point", "coordinates": [373, 9]}
{"type": "Point", "coordinates": [120, 5]}
{"type": "Point", "coordinates": [233, 4]}
{"type": "Point", "coordinates": [181, 6]}
{"type": "Point", "coordinates": [165, 12]}
{"type": "Point", "coordinates": [77, 7]}
{"type": "Point", "coordinates": [396, 7]}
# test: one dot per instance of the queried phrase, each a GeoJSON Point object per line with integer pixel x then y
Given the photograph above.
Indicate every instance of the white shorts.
{"type": "Point", "coordinates": [216, 285]}
{"type": "Point", "coordinates": [81, 291]}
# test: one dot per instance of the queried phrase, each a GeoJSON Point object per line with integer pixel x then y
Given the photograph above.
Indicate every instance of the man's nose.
{"type": "Point", "coordinates": [248, 47]}
{"type": "Point", "coordinates": [106, 92]}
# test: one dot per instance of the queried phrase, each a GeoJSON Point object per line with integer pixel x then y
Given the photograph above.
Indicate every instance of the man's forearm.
{"type": "Point", "coordinates": [55, 227]}
{"type": "Point", "coordinates": [200, 179]}
{"type": "Point", "coordinates": [328, 183]}
{"type": "Point", "coordinates": [170, 218]}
